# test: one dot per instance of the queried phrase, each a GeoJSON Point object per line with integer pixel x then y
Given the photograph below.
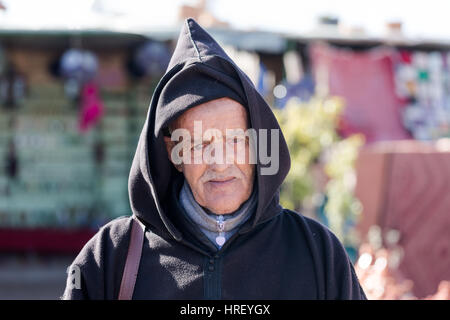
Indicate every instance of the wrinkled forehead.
{"type": "Point", "coordinates": [221, 114]}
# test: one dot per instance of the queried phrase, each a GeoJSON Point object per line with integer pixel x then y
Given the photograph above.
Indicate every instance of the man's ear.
{"type": "Point", "coordinates": [169, 146]}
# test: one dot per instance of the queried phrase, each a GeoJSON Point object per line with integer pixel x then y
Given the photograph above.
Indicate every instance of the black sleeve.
{"type": "Point", "coordinates": [341, 280]}
{"type": "Point", "coordinates": [85, 274]}
{"type": "Point", "coordinates": [336, 275]}
{"type": "Point", "coordinates": [96, 272]}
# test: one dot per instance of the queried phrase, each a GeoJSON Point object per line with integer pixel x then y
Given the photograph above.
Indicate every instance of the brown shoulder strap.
{"type": "Point", "coordinates": [133, 259]}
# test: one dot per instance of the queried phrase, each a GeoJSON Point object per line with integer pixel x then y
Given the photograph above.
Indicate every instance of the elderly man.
{"type": "Point", "coordinates": [204, 191]}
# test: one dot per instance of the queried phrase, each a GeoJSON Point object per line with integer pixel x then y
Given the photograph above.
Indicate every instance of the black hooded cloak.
{"type": "Point", "coordinates": [276, 254]}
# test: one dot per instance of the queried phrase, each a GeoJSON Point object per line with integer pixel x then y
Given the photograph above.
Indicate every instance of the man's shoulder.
{"type": "Point", "coordinates": [310, 223]}
{"type": "Point", "coordinates": [315, 231]}
{"type": "Point", "coordinates": [118, 226]}
{"type": "Point", "coordinates": [114, 229]}
{"type": "Point", "coordinates": [331, 261]}
{"type": "Point", "coordinates": [109, 236]}
{"type": "Point", "coordinates": [104, 251]}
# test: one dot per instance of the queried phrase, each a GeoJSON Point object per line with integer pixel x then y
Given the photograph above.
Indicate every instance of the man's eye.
{"type": "Point", "coordinates": [237, 140]}
{"type": "Point", "coordinates": [198, 146]}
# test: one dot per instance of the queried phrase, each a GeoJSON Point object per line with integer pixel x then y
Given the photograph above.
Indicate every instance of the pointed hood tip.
{"type": "Point", "coordinates": [191, 24]}
{"type": "Point", "coordinates": [191, 20]}
{"type": "Point", "coordinates": [194, 26]}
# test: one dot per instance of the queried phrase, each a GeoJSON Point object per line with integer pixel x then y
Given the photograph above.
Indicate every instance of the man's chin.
{"type": "Point", "coordinates": [225, 212]}
{"type": "Point", "coordinates": [223, 207]}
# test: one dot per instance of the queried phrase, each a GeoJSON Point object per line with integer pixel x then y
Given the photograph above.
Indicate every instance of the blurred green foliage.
{"type": "Point", "coordinates": [310, 129]}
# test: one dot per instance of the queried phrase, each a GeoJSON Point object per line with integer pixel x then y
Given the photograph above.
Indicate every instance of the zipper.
{"type": "Point", "coordinates": [213, 271]}
{"type": "Point", "coordinates": [213, 277]}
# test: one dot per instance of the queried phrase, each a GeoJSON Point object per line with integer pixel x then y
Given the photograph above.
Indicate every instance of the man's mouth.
{"type": "Point", "coordinates": [222, 181]}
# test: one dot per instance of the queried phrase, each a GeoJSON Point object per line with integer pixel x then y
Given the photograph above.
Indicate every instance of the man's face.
{"type": "Point", "coordinates": [218, 182]}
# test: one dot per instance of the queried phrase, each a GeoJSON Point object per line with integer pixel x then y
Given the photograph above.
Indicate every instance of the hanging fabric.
{"type": "Point", "coordinates": [366, 81]}
{"type": "Point", "coordinates": [91, 107]}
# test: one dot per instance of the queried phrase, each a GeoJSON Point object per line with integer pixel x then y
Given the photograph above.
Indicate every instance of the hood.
{"type": "Point", "coordinates": [197, 58]}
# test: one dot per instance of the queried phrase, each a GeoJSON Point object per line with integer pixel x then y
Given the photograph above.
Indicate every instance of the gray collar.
{"type": "Point", "coordinates": [210, 221]}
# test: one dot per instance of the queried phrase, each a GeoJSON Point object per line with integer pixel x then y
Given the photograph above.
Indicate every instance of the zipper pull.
{"type": "Point", "coordinates": [220, 239]}
{"type": "Point", "coordinates": [220, 224]}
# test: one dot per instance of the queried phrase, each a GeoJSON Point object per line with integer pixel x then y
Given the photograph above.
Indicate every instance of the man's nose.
{"type": "Point", "coordinates": [218, 160]}
{"type": "Point", "coordinates": [219, 166]}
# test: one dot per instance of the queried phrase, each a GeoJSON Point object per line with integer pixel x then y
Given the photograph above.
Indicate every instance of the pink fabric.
{"type": "Point", "coordinates": [91, 107]}
{"type": "Point", "coordinates": [366, 81]}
